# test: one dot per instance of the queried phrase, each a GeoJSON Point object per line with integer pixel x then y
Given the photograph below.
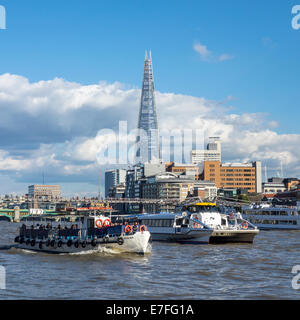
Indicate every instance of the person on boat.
{"type": "Point", "coordinates": [135, 227]}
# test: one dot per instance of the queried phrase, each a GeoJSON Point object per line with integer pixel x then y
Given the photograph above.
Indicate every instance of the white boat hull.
{"type": "Point", "coordinates": [191, 236]}
{"type": "Point", "coordinates": [136, 243]}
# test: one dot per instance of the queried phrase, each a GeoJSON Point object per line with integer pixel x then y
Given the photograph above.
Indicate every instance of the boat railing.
{"type": "Point", "coordinates": [203, 225]}
{"type": "Point", "coordinates": [34, 233]}
{"type": "Point", "coordinates": [245, 224]}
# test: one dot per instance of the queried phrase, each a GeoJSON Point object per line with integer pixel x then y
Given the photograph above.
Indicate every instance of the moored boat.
{"type": "Point", "coordinates": [269, 217]}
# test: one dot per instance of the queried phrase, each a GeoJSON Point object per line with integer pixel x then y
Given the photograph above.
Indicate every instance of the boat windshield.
{"type": "Point", "coordinates": [198, 208]}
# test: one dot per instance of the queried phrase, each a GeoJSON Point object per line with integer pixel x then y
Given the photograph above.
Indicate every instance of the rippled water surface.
{"type": "Point", "coordinates": [171, 271]}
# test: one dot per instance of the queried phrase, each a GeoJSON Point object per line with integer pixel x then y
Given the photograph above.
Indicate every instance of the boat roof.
{"type": "Point", "coordinates": [202, 204]}
{"type": "Point", "coordinates": [160, 215]}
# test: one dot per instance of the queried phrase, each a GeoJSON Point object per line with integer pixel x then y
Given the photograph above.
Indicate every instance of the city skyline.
{"type": "Point", "coordinates": [236, 80]}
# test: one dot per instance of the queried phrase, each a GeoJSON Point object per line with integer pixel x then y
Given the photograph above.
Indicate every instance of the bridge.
{"type": "Point", "coordinates": [15, 215]}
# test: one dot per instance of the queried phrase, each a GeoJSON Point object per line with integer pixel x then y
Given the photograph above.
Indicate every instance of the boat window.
{"type": "Point", "coordinates": [185, 221]}
{"type": "Point", "coordinates": [223, 222]}
{"type": "Point", "coordinates": [165, 223]}
{"type": "Point", "coordinates": [91, 223]}
{"type": "Point", "coordinates": [179, 222]}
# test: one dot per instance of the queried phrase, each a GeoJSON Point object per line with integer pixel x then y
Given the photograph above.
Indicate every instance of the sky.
{"type": "Point", "coordinates": [71, 68]}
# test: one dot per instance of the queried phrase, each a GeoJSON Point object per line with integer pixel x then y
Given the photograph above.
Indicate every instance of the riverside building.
{"type": "Point", "coordinates": [113, 178]}
{"type": "Point", "coordinates": [44, 192]}
{"type": "Point", "coordinates": [176, 187]}
{"type": "Point", "coordinates": [212, 152]}
{"type": "Point", "coordinates": [234, 175]}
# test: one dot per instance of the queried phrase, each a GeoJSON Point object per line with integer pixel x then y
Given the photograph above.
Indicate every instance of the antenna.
{"type": "Point", "coordinates": [99, 184]}
{"type": "Point", "coordinates": [43, 178]}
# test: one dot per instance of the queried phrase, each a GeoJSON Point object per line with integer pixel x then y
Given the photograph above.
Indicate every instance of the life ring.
{"type": "Point", "coordinates": [245, 225]}
{"type": "Point", "coordinates": [48, 243]}
{"type": "Point", "coordinates": [17, 239]}
{"type": "Point", "coordinates": [106, 223]}
{"type": "Point", "coordinates": [27, 242]}
{"type": "Point", "coordinates": [128, 229]}
{"type": "Point", "coordinates": [76, 244]}
{"type": "Point", "coordinates": [83, 244]}
{"type": "Point", "coordinates": [59, 244]}
{"type": "Point", "coordinates": [69, 243]}
{"type": "Point", "coordinates": [41, 245]}
{"type": "Point", "coordinates": [52, 243]}
{"type": "Point", "coordinates": [32, 243]}
{"type": "Point", "coordinates": [99, 223]}
{"type": "Point", "coordinates": [21, 240]}
{"type": "Point", "coordinates": [195, 225]}
{"type": "Point", "coordinates": [143, 228]}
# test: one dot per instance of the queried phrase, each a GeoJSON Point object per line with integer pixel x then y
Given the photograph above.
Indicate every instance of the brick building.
{"type": "Point", "coordinates": [234, 175]}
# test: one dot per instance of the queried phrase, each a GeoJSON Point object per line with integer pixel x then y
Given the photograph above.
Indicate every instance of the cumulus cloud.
{"type": "Point", "coordinates": [207, 55]}
{"type": "Point", "coordinates": [57, 126]}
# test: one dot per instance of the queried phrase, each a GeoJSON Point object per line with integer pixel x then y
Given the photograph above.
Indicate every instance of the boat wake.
{"type": "Point", "coordinates": [94, 251]}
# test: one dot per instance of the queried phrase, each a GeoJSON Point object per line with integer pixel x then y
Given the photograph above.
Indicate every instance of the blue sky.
{"type": "Point", "coordinates": [88, 41]}
{"type": "Point", "coordinates": [94, 40]}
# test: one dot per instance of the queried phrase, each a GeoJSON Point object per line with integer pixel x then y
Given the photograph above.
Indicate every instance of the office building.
{"type": "Point", "coordinates": [44, 192]}
{"type": "Point", "coordinates": [234, 175]}
{"type": "Point", "coordinates": [114, 178]}
{"type": "Point", "coordinates": [212, 152]}
{"type": "Point", "coordinates": [148, 147]}
{"type": "Point", "coordinates": [174, 187]}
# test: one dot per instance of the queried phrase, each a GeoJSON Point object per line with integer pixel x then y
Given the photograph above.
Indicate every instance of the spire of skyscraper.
{"type": "Point", "coordinates": [148, 136]}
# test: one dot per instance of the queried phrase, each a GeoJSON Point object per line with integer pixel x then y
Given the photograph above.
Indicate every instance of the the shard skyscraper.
{"type": "Point", "coordinates": [148, 147]}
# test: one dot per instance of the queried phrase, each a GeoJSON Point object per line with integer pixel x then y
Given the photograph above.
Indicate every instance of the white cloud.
{"type": "Point", "coordinates": [207, 55]}
{"type": "Point", "coordinates": [54, 126]}
{"type": "Point", "coordinates": [202, 50]}
{"type": "Point", "coordinates": [225, 56]}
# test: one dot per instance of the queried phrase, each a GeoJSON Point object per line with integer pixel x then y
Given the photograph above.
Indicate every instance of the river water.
{"type": "Point", "coordinates": [262, 270]}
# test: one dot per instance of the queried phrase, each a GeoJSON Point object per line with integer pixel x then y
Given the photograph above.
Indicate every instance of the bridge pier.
{"type": "Point", "coordinates": [16, 217]}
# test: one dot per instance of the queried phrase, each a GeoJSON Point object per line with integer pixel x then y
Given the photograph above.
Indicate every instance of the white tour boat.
{"type": "Point", "coordinates": [88, 232]}
{"type": "Point", "coordinates": [230, 228]}
{"type": "Point", "coordinates": [269, 217]}
{"type": "Point", "coordinates": [172, 227]}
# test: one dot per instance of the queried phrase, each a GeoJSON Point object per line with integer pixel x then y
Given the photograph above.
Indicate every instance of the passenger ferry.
{"type": "Point", "coordinates": [180, 228]}
{"type": "Point", "coordinates": [227, 228]}
{"type": "Point", "coordinates": [88, 232]}
{"type": "Point", "coordinates": [269, 217]}
{"type": "Point", "coordinates": [199, 222]}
